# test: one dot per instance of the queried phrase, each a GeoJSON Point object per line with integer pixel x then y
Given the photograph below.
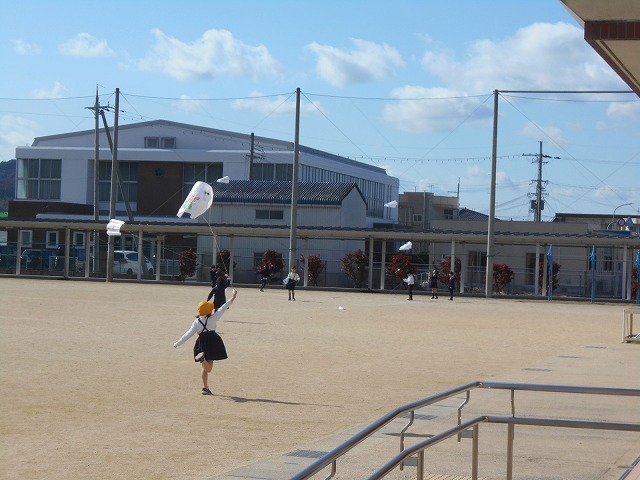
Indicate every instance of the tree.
{"type": "Point", "coordinates": [188, 263]}
{"type": "Point", "coordinates": [502, 275]}
{"type": "Point", "coordinates": [223, 261]}
{"type": "Point", "coordinates": [399, 266]}
{"type": "Point", "coordinates": [355, 265]}
{"type": "Point", "coordinates": [273, 260]}
{"type": "Point", "coordinates": [556, 269]}
{"type": "Point", "coordinates": [443, 276]}
{"type": "Point", "coordinates": [314, 268]}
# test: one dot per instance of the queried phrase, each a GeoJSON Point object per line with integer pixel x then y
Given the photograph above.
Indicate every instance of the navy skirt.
{"type": "Point", "coordinates": [212, 345]}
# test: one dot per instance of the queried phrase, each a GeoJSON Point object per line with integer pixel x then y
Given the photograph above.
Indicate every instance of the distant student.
{"type": "Point", "coordinates": [451, 284]}
{"type": "Point", "coordinates": [209, 345]}
{"type": "Point", "coordinates": [410, 281]}
{"type": "Point", "coordinates": [292, 279]}
{"type": "Point", "coordinates": [264, 273]}
{"type": "Point", "coordinates": [219, 291]}
{"type": "Point", "coordinates": [433, 283]}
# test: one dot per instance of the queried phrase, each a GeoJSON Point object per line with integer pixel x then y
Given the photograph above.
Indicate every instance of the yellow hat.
{"type": "Point", "coordinates": [205, 308]}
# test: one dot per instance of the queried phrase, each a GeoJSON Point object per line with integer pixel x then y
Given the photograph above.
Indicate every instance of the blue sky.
{"type": "Point", "coordinates": [405, 85]}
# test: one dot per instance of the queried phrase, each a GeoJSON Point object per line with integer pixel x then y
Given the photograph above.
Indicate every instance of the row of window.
{"type": "Point", "coordinates": [52, 238]}
{"type": "Point", "coordinates": [40, 179]}
{"type": "Point", "coordinates": [160, 142]}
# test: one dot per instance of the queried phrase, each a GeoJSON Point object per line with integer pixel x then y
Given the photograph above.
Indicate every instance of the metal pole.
{"type": "Point", "coordinates": [383, 256]}
{"type": "Point", "coordinates": [492, 201]}
{"type": "Point", "coordinates": [96, 162]}
{"type": "Point", "coordinates": [96, 193]}
{"type": "Point", "coordinates": [539, 188]}
{"type": "Point", "coordinates": [474, 453]}
{"type": "Point", "coordinates": [112, 199]}
{"type": "Point", "coordinates": [510, 435]}
{"type": "Point", "coordinates": [294, 186]}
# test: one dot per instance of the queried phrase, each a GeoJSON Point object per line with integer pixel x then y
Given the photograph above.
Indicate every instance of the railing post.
{"type": "Point", "coordinates": [474, 454]}
{"type": "Point", "coordinates": [420, 467]}
{"type": "Point", "coordinates": [510, 432]}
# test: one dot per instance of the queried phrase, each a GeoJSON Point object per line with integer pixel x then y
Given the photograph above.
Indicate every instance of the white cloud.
{"type": "Point", "coordinates": [367, 61]}
{"type": "Point", "coordinates": [542, 56]}
{"type": "Point", "coordinates": [24, 48]}
{"type": "Point", "coordinates": [629, 110]}
{"type": "Point", "coordinates": [216, 53]}
{"type": "Point", "coordinates": [84, 45]}
{"type": "Point", "coordinates": [189, 104]}
{"type": "Point", "coordinates": [421, 109]}
{"type": "Point", "coordinates": [57, 91]}
{"type": "Point", "coordinates": [15, 132]}
{"type": "Point", "coordinates": [552, 134]}
{"type": "Point", "coordinates": [275, 104]}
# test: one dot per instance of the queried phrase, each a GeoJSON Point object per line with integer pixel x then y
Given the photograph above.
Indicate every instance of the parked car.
{"type": "Point", "coordinates": [126, 261]}
{"type": "Point", "coordinates": [36, 258]}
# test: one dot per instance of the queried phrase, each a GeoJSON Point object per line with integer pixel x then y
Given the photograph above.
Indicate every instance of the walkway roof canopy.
{"type": "Point", "coordinates": [612, 28]}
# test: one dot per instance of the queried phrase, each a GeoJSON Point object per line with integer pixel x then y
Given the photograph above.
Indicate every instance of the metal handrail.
{"type": "Point", "coordinates": [419, 448]}
{"type": "Point", "coordinates": [332, 457]}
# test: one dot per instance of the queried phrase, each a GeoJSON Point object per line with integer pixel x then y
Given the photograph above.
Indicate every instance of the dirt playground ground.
{"type": "Point", "coordinates": [92, 388]}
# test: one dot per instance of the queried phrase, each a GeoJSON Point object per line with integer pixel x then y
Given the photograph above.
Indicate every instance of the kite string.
{"type": "Point", "coordinates": [215, 248]}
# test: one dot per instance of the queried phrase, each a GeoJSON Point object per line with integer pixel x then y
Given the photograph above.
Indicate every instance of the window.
{"type": "Point", "coordinates": [26, 237]}
{"type": "Point", "coordinates": [168, 142]}
{"type": "Point", "coordinates": [52, 239]}
{"type": "Point", "coordinates": [269, 214]}
{"type": "Point", "coordinates": [448, 213]}
{"type": "Point", "coordinates": [151, 142]}
{"type": "Point", "coordinates": [417, 218]}
{"type": "Point", "coordinates": [129, 175]}
{"type": "Point", "coordinates": [78, 239]}
{"type": "Point", "coordinates": [262, 171]}
{"type": "Point", "coordinates": [282, 172]}
{"type": "Point", "coordinates": [199, 172]}
{"type": "Point", "coordinates": [160, 142]}
{"type": "Point", "coordinates": [39, 179]}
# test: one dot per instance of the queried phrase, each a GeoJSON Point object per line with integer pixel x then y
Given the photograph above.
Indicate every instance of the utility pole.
{"type": "Point", "coordinates": [112, 203]}
{"type": "Point", "coordinates": [537, 205]}
{"type": "Point", "coordinates": [294, 187]}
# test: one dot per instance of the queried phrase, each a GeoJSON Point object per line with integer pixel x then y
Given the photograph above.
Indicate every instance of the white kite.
{"type": "Point", "coordinates": [406, 246]}
{"type": "Point", "coordinates": [113, 227]}
{"type": "Point", "coordinates": [391, 204]}
{"type": "Point", "coordinates": [198, 201]}
{"type": "Point", "coordinates": [223, 179]}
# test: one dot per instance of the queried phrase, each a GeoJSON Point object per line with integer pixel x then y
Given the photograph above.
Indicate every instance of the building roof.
{"type": "Point", "coordinates": [309, 193]}
{"type": "Point", "coordinates": [612, 28]}
{"type": "Point", "coordinates": [471, 215]}
{"type": "Point", "coordinates": [284, 145]}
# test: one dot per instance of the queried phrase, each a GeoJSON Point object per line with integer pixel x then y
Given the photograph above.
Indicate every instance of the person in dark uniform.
{"type": "Point", "coordinates": [219, 291]}
{"type": "Point", "coordinates": [264, 273]}
{"type": "Point", "coordinates": [209, 345]}
{"type": "Point", "coordinates": [451, 284]}
{"type": "Point", "coordinates": [433, 283]}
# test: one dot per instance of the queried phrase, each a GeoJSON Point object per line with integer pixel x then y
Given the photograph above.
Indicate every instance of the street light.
{"type": "Point", "coordinates": [614, 213]}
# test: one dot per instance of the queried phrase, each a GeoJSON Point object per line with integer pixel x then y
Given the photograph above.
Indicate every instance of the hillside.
{"type": "Point", "coordinates": [7, 183]}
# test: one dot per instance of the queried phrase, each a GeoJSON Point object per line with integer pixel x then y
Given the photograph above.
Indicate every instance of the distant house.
{"type": "Point", "coordinates": [261, 203]}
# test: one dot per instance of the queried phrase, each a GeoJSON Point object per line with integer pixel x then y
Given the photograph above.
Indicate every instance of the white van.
{"type": "Point", "coordinates": [126, 261]}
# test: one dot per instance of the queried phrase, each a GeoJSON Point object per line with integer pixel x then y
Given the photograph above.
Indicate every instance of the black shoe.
{"type": "Point", "coordinates": [206, 391]}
